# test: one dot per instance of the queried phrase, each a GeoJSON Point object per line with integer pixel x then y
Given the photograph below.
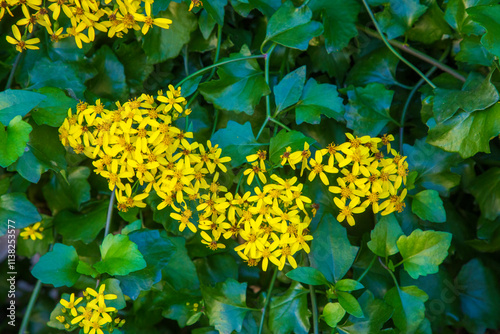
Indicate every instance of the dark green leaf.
{"type": "Point", "coordinates": [399, 16]}
{"type": "Point", "coordinates": [282, 140]}
{"type": "Point", "coordinates": [110, 82]}
{"type": "Point", "coordinates": [486, 190]}
{"type": "Point", "coordinates": [424, 251]}
{"type": "Point", "coordinates": [348, 285]}
{"type": "Point", "coordinates": [333, 313]}
{"type": "Point", "coordinates": [17, 102]}
{"type": "Point", "coordinates": [384, 236]}
{"type": "Point", "coordinates": [58, 267]}
{"type": "Point", "coordinates": [54, 109]}
{"type": "Point", "coordinates": [318, 99]}
{"type": "Point", "coordinates": [216, 9]}
{"type": "Point", "coordinates": [185, 278]}
{"type": "Point", "coordinates": [377, 66]}
{"type": "Point", "coordinates": [112, 286]}
{"type": "Point", "coordinates": [82, 226]}
{"type": "Point", "coordinates": [120, 256]}
{"type": "Point", "coordinates": [13, 138]}
{"type": "Point", "coordinates": [473, 52]}
{"type": "Point", "coordinates": [17, 210]}
{"type": "Point", "coordinates": [368, 110]}
{"type": "Point", "coordinates": [307, 275]}
{"type": "Point", "coordinates": [46, 147]}
{"type": "Point", "coordinates": [216, 268]}
{"type": "Point", "coordinates": [68, 193]}
{"type": "Point", "coordinates": [431, 27]}
{"type": "Point", "coordinates": [289, 90]}
{"type": "Point", "coordinates": [350, 304]}
{"type": "Point", "coordinates": [409, 309]}
{"type": "Point", "coordinates": [336, 64]}
{"type": "Point", "coordinates": [331, 251]}
{"type": "Point", "coordinates": [288, 313]}
{"type": "Point", "coordinates": [136, 66]}
{"type": "Point", "coordinates": [190, 86]}
{"type": "Point", "coordinates": [487, 16]}
{"type": "Point", "coordinates": [428, 206]}
{"type": "Point", "coordinates": [85, 268]}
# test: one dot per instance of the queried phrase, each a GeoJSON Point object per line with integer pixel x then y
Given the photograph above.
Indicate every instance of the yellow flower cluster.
{"type": "Point", "coordinates": [33, 232]}
{"type": "Point", "coordinates": [363, 175]}
{"type": "Point", "coordinates": [84, 17]}
{"type": "Point", "coordinates": [93, 316]}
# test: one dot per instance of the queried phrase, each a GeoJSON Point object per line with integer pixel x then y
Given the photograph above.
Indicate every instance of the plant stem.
{"type": "Point", "coordinates": [386, 42]}
{"type": "Point", "coordinates": [215, 122]}
{"type": "Point", "coordinates": [268, 59]}
{"type": "Point", "coordinates": [205, 69]}
{"type": "Point", "coordinates": [367, 269]}
{"type": "Point", "coordinates": [416, 53]}
{"type": "Point", "coordinates": [268, 300]}
{"type": "Point", "coordinates": [280, 124]}
{"type": "Point", "coordinates": [390, 272]}
{"type": "Point", "coordinates": [31, 304]}
{"type": "Point", "coordinates": [315, 309]}
{"type": "Point", "coordinates": [262, 127]}
{"type": "Point", "coordinates": [13, 71]}
{"type": "Point", "coordinates": [110, 212]}
{"type": "Point", "coordinates": [217, 52]}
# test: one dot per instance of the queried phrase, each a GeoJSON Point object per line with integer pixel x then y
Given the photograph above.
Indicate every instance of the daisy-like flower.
{"type": "Point", "coordinates": [32, 232]}
{"type": "Point", "coordinates": [255, 170]}
{"type": "Point", "coordinates": [20, 43]}
{"type": "Point", "coordinates": [317, 168]}
{"type": "Point", "coordinates": [346, 211]}
{"type": "Point", "coordinates": [94, 325]}
{"type": "Point", "coordinates": [172, 102]}
{"type": "Point", "coordinates": [71, 304]}
{"type": "Point", "coordinates": [100, 295]}
{"type": "Point", "coordinates": [195, 3]}
{"type": "Point", "coordinates": [260, 156]}
{"type": "Point", "coordinates": [211, 242]}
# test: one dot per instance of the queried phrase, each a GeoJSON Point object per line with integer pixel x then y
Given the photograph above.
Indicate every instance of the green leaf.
{"type": "Point", "coordinates": [47, 148]}
{"type": "Point", "coordinates": [384, 236]}
{"type": "Point", "coordinates": [377, 66]}
{"type": "Point", "coordinates": [423, 251]}
{"type": "Point", "coordinates": [288, 312]}
{"type": "Point", "coordinates": [409, 309]}
{"type": "Point", "coordinates": [17, 210]}
{"type": "Point", "coordinates": [428, 206]}
{"type": "Point", "coordinates": [226, 305]}
{"type": "Point", "coordinates": [17, 102]}
{"type": "Point", "coordinates": [282, 140]}
{"type": "Point", "coordinates": [368, 111]}
{"type": "Point", "coordinates": [431, 27]}
{"type": "Point", "coordinates": [292, 27]}
{"type": "Point", "coordinates": [216, 9]}
{"type": "Point", "coordinates": [58, 267]}
{"type": "Point", "coordinates": [289, 90]}
{"type": "Point", "coordinates": [473, 52]}
{"type": "Point", "coordinates": [29, 167]}
{"type": "Point", "coordinates": [136, 66]}
{"type": "Point", "coordinates": [333, 313]}
{"type": "Point", "coordinates": [307, 275]}
{"type": "Point", "coordinates": [399, 16]}
{"type": "Point", "coordinates": [85, 268]}
{"type": "Point", "coordinates": [339, 21]}
{"type": "Point", "coordinates": [54, 108]}
{"type": "Point", "coordinates": [348, 285]}
{"type": "Point", "coordinates": [120, 256]}
{"type": "Point", "coordinates": [240, 87]}
{"type": "Point", "coordinates": [479, 297]}
{"type": "Point", "coordinates": [376, 313]}
{"type": "Point", "coordinates": [318, 99]}
{"type": "Point", "coordinates": [487, 16]}
{"type": "Point", "coordinates": [112, 286]}
{"type": "Point", "coordinates": [13, 138]}
{"type": "Point", "coordinates": [110, 82]}
{"type": "Point", "coordinates": [237, 141]}
{"type": "Point", "coordinates": [162, 44]}
{"type": "Point", "coordinates": [84, 226]}
{"type": "Point", "coordinates": [190, 86]}
{"type": "Point", "coordinates": [331, 251]}
{"type": "Point", "coordinates": [186, 278]}
{"type": "Point", "coordinates": [350, 304]}
{"type": "Point", "coordinates": [486, 190]}
{"type": "Point", "coordinates": [216, 268]}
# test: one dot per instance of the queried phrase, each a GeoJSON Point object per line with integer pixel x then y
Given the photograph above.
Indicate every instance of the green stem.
{"type": "Point", "coordinates": [239, 184]}
{"type": "Point", "coordinates": [31, 304]}
{"type": "Point", "coordinates": [268, 60]}
{"type": "Point", "coordinates": [315, 309]}
{"type": "Point", "coordinates": [390, 272]}
{"type": "Point", "coordinates": [217, 52]}
{"type": "Point", "coordinates": [280, 124]}
{"type": "Point", "coordinates": [262, 127]}
{"type": "Point", "coordinates": [268, 300]}
{"type": "Point", "coordinates": [215, 121]}
{"type": "Point", "coordinates": [186, 60]}
{"type": "Point", "coordinates": [386, 42]}
{"type": "Point", "coordinates": [205, 69]}
{"type": "Point", "coordinates": [414, 52]}
{"type": "Point", "coordinates": [13, 71]}
{"type": "Point", "coordinates": [285, 110]}
{"type": "Point", "coordinates": [110, 212]}
{"type": "Point", "coordinates": [367, 269]}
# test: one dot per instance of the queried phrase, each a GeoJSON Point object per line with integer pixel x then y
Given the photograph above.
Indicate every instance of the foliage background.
{"type": "Point", "coordinates": [450, 135]}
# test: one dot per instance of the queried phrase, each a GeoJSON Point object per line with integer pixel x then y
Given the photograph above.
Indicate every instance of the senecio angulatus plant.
{"type": "Point", "coordinates": [247, 166]}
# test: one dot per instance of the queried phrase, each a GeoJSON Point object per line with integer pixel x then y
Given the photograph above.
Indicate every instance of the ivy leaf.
{"type": "Point", "coordinates": [318, 99]}
{"type": "Point", "coordinates": [350, 304]}
{"type": "Point", "coordinates": [120, 256]}
{"type": "Point", "coordinates": [423, 251]}
{"type": "Point", "coordinates": [457, 16]}
{"type": "Point", "coordinates": [240, 87]}
{"type": "Point", "coordinates": [473, 52]}
{"type": "Point", "coordinates": [377, 66]}
{"type": "Point", "coordinates": [409, 309]}
{"type": "Point", "coordinates": [431, 27]}
{"type": "Point", "coordinates": [110, 82]}
{"type": "Point", "coordinates": [237, 141]}
{"type": "Point", "coordinates": [282, 140]}
{"type": "Point", "coordinates": [331, 252]}
{"type": "Point", "coordinates": [428, 206]}
{"type": "Point", "coordinates": [19, 210]}
{"type": "Point", "coordinates": [288, 312]}
{"type": "Point", "coordinates": [333, 313]}
{"type": "Point", "coordinates": [487, 16]}
{"type": "Point", "coordinates": [486, 190]}
{"type": "Point", "coordinates": [54, 109]}
{"type": "Point", "coordinates": [399, 16]}
{"type": "Point", "coordinates": [216, 9]}
{"type": "Point", "coordinates": [339, 21]}
{"type": "Point", "coordinates": [384, 236]}
{"type": "Point", "coordinates": [226, 305]}
{"type": "Point", "coordinates": [58, 267]}
{"type": "Point", "coordinates": [13, 138]}
{"type": "Point", "coordinates": [368, 111]}
{"type": "Point", "coordinates": [68, 193]}
{"type": "Point", "coordinates": [17, 102]}
{"type": "Point", "coordinates": [292, 27]}
{"type": "Point", "coordinates": [307, 275]}
{"type": "Point", "coordinates": [289, 90]}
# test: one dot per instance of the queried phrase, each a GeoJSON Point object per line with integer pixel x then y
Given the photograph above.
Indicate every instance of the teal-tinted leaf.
{"type": "Point", "coordinates": [112, 286]}
{"type": "Point", "coordinates": [350, 304]}
{"type": "Point", "coordinates": [17, 102]}
{"type": "Point", "coordinates": [17, 209]}
{"type": "Point", "coordinates": [136, 66]}
{"type": "Point", "coordinates": [423, 251]}
{"type": "Point", "coordinates": [318, 99]}
{"type": "Point", "coordinates": [120, 256]}
{"type": "Point", "coordinates": [428, 206]}
{"type": "Point", "coordinates": [289, 90]}
{"type": "Point", "coordinates": [226, 305]}
{"type": "Point", "coordinates": [431, 27]}
{"type": "Point", "coordinates": [162, 44]}
{"type": "Point", "coordinates": [308, 275]}
{"type": "Point", "coordinates": [240, 87]}
{"type": "Point", "coordinates": [206, 23]}
{"type": "Point", "coordinates": [58, 267]}
{"type": "Point", "coordinates": [467, 132]}
{"type": "Point", "coordinates": [348, 285]}
{"type": "Point", "coordinates": [110, 82]}
{"type": "Point", "coordinates": [376, 313]}
{"type": "Point", "coordinates": [331, 251]}
{"type": "Point", "coordinates": [237, 141]}
{"type": "Point", "coordinates": [368, 110]}
{"type": "Point", "coordinates": [288, 313]}
{"type": "Point", "coordinates": [479, 297]}
{"type": "Point", "coordinates": [377, 66]}
{"type": "Point", "coordinates": [54, 109]}
{"type": "Point", "coordinates": [85, 268]}
{"type": "Point", "coordinates": [282, 140]}
{"type": "Point", "coordinates": [84, 226]}
{"type": "Point", "coordinates": [47, 148]}
{"type": "Point", "coordinates": [486, 190]}
{"type": "Point", "coordinates": [399, 16]}
{"type": "Point", "coordinates": [473, 52]}
{"type": "Point", "coordinates": [339, 21]}
{"type": "Point", "coordinates": [216, 268]}
{"type": "Point", "coordinates": [133, 226]}
{"type": "Point", "coordinates": [190, 86]}
{"type": "Point", "coordinates": [292, 27]}
{"type": "Point", "coordinates": [185, 279]}
{"type": "Point", "coordinates": [335, 64]}
{"type": "Point", "coordinates": [216, 9]}
{"type": "Point", "coordinates": [266, 7]}
{"type": "Point", "coordinates": [13, 138]}
{"type": "Point", "coordinates": [384, 236]}
{"type": "Point", "coordinates": [409, 309]}
{"type": "Point", "coordinates": [68, 193]}
{"type": "Point", "coordinates": [333, 313]}
{"type": "Point", "coordinates": [487, 16]}
{"type": "Point", "coordinates": [477, 94]}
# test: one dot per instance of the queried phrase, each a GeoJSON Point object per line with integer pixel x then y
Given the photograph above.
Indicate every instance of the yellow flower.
{"type": "Point", "coordinates": [195, 3]}
{"type": "Point", "coordinates": [32, 232]}
{"type": "Point", "coordinates": [100, 295]}
{"type": "Point", "coordinates": [100, 309]}
{"type": "Point", "coordinates": [255, 170]}
{"type": "Point", "coordinates": [317, 168]}
{"type": "Point", "coordinates": [211, 242]}
{"type": "Point", "coordinates": [71, 304]}
{"type": "Point", "coordinates": [20, 43]}
{"type": "Point", "coordinates": [261, 156]}
{"type": "Point", "coordinates": [172, 102]}
{"type": "Point", "coordinates": [93, 326]}
{"type": "Point", "coordinates": [346, 211]}
{"type": "Point", "coordinates": [301, 156]}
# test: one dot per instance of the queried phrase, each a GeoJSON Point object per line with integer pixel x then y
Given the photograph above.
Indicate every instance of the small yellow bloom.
{"type": "Point", "coordinates": [32, 232]}
{"type": "Point", "coordinates": [195, 3]}
{"type": "Point", "coordinates": [20, 43]}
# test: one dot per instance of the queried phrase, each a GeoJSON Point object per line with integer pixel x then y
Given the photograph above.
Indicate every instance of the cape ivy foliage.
{"type": "Point", "coordinates": [250, 166]}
